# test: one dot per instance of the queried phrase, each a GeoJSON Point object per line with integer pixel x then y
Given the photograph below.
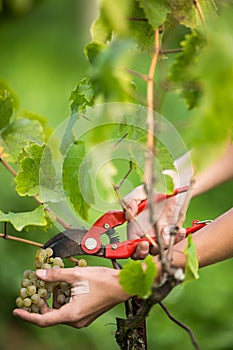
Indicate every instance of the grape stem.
{"type": "Point", "coordinates": [27, 241]}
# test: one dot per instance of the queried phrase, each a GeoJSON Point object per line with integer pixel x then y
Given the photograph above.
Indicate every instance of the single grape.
{"type": "Point", "coordinates": [46, 266]}
{"type": "Point", "coordinates": [35, 298]}
{"type": "Point", "coordinates": [32, 275]}
{"type": "Point", "coordinates": [37, 264]}
{"type": "Point", "coordinates": [61, 298]}
{"type": "Point", "coordinates": [19, 302]}
{"type": "Point", "coordinates": [31, 290]}
{"type": "Point", "coordinates": [23, 292]}
{"type": "Point", "coordinates": [35, 308]}
{"type": "Point", "coordinates": [40, 283]}
{"type": "Point", "coordinates": [28, 309]}
{"type": "Point", "coordinates": [82, 263]}
{"type": "Point", "coordinates": [49, 252]}
{"type": "Point", "coordinates": [40, 303]}
{"type": "Point", "coordinates": [27, 302]}
{"type": "Point", "coordinates": [42, 292]}
{"type": "Point", "coordinates": [25, 282]}
{"type": "Point", "coordinates": [58, 261]}
{"type": "Point", "coordinates": [50, 287]}
{"type": "Point", "coordinates": [40, 255]}
{"type": "Point", "coordinates": [26, 273]}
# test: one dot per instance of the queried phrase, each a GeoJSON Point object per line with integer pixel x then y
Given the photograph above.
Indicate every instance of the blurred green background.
{"type": "Point", "coordinates": [41, 58]}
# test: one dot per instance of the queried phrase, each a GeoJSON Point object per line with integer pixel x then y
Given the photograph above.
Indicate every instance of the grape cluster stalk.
{"type": "Point", "coordinates": [34, 291]}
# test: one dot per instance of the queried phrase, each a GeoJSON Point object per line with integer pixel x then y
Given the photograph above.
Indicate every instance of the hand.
{"type": "Point", "coordinates": [167, 213]}
{"type": "Point", "coordinates": [104, 293]}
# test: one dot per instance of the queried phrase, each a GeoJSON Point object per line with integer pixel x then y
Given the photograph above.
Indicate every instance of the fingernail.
{"type": "Point", "coordinates": [41, 273]}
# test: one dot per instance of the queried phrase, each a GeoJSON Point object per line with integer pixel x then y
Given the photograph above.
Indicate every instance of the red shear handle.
{"type": "Point", "coordinates": [124, 250]}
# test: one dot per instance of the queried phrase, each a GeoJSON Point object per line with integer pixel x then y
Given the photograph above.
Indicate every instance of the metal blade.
{"type": "Point", "coordinates": [67, 243]}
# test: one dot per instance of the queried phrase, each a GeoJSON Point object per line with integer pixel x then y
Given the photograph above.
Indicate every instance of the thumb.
{"type": "Point", "coordinates": [68, 275]}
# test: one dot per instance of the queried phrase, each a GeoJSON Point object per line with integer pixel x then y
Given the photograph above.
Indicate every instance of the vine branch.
{"type": "Point", "coordinates": [182, 325]}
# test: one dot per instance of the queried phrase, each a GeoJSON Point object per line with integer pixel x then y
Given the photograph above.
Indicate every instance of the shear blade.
{"type": "Point", "coordinates": [67, 243]}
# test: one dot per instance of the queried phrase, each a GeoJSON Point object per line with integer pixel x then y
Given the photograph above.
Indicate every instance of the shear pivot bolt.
{"type": "Point", "coordinates": [106, 225]}
{"type": "Point", "coordinates": [114, 246]}
{"type": "Point", "coordinates": [91, 243]}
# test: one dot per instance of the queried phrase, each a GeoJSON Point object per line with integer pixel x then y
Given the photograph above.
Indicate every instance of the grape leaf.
{"type": "Point", "coordinates": [35, 116]}
{"type": "Point", "coordinates": [100, 29]}
{"type": "Point", "coordinates": [140, 29]}
{"type": "Point", "coordinates": [156, 11]}
{"type": "Point", "coordinates": [28, 178]}
{"type": "Point", "coordinates": [8, 104]}
{"type": "Point", "coordinates": [77, 180]}
{"type": "Point", "coordinates": [37, 217]}
{"type": "Point", "coordinates": [19, 134]}
{"type": "Point", "coordinates": [182, 72]}
{"type": "Point", "coordinates": [185, 12]}
{"type": "Point", "coordinates": [108, 77]}
{"type": "Point", "coordinates": [191, 268]}
{"type": "Point", "coordinates": [137, 280]}
{"type": "Point", "coordinates": [82, 96]}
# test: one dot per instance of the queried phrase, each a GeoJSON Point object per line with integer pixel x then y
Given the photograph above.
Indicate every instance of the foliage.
{"type": "Point", "coordinates": [122, 32]}
{"type": "Point", "coordinates": [191, 268]}
{"type": "Point", "coordinates": [138, 276]}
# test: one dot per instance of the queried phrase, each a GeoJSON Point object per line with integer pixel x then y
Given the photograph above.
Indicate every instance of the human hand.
{"type": "Point", "coordinates": [167, 213]}
{"type": "Point", "coordinates": [101, 292]}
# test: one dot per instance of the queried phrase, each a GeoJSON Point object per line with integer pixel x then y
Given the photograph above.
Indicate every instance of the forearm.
{"type": "Point", "coordinates": [219, 172]}
{"type": "Point", "coordinates": [214, 243]}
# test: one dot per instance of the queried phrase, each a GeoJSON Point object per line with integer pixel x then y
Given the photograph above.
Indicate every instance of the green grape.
{"type": "Point", "coordinates": [27, 302]}
{"type": "Point", "coordinates": [47, 296]}
{"type": "Point", "coordinates": [25, 282]}
{"type": "Point", "coordinates": [58, 261]}
{"type": "Point", "coordinates": [26, 273]}
{"type": "Point", "coordinates": [40, 255]}
{"type": "Point", "coordinates": [35, 308]}
{"type": "Point", "coordinates": [37, 264]}
{"type": "Point", "coordinates": [49, 252]}
{"type": "Point", "coordinates": [61, 298]}
{"type": "Point", "coordinates": [82, 263]}
{"type": "Point", "coordinates": [50, 287]}
{"type": "Point", "coordinates": [40, 303]}
{"type": "Point", "coordinates": [19, 302]}
{"type": "Point", "coordinates": [31, 290]}
{"type": "Point", "coordinates": [28, 309]}
{"type": "Point", "coordinates": [40, 283]}
{"type": "Point", "coordinates": [32, 275]}
{"type": "Point", "coordinates": [23, 292]}
{"type": "Point", "coordinates": [35, 298]}
{"type": "Point", "coordinates": [42, 292]}
{"type": "Point", "coordinates": [46, 266]}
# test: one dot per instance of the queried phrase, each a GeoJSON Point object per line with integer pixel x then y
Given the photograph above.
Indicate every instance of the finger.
{"type": "Point", "coordinates": [142, 251]}
{"type": "Point", "coordinates": [45, 308]}
{"type": "Point", "coordinates": [181, 234]}
{"type": "Point", "coordinates": [44, 320]}
{"type": "Point", "coordinates": [68, 275]}
{"type": "Point", "coordinates": [132, 209]}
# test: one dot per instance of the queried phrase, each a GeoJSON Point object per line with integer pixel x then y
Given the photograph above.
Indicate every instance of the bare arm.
{"type": "Point", "coordinates": [219, 172]}
{"type": "Point", "coordinates": [214, 243]}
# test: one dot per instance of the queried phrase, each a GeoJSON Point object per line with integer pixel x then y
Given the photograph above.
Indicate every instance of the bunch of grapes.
{"type": "Point", "coordinates": [34, 291]}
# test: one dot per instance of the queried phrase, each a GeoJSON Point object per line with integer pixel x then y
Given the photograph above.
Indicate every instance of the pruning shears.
{"type": "Point", "coordinates": [88, 242]}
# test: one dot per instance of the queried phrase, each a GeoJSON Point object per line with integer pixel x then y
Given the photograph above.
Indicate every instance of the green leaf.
{"type": "Point", "coordinates": [8, 104]}
{"type": "Point", "coordinates": [108, 76]}
{"type": "Point", "coordinates": [83, 96]}
{"type": "Point", "coordinates": [101, 30]}
{"type": "Point", "coordinates": [140, 29]}
{"type": "Point", "coordinates": [41, 119]}
{"type": "Point", "coordinates": [155, 10]}
{"type": "Point", "coordinates": [28, 178]}
{"type": "Point", "coordinates": [182, 71]}
{"type": "Point", "coordinates": [137, 280]}
{"type": "Point", "coordinates": [185, 12]}
{"type": "Point", "coordinates": [20, 221]}
{"type": "Point", "coordinates": [191, 268]}
{"type": "Point", "coordinates": [20, 134]}
{"type": "Point", "coordinates": [76, 177]}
